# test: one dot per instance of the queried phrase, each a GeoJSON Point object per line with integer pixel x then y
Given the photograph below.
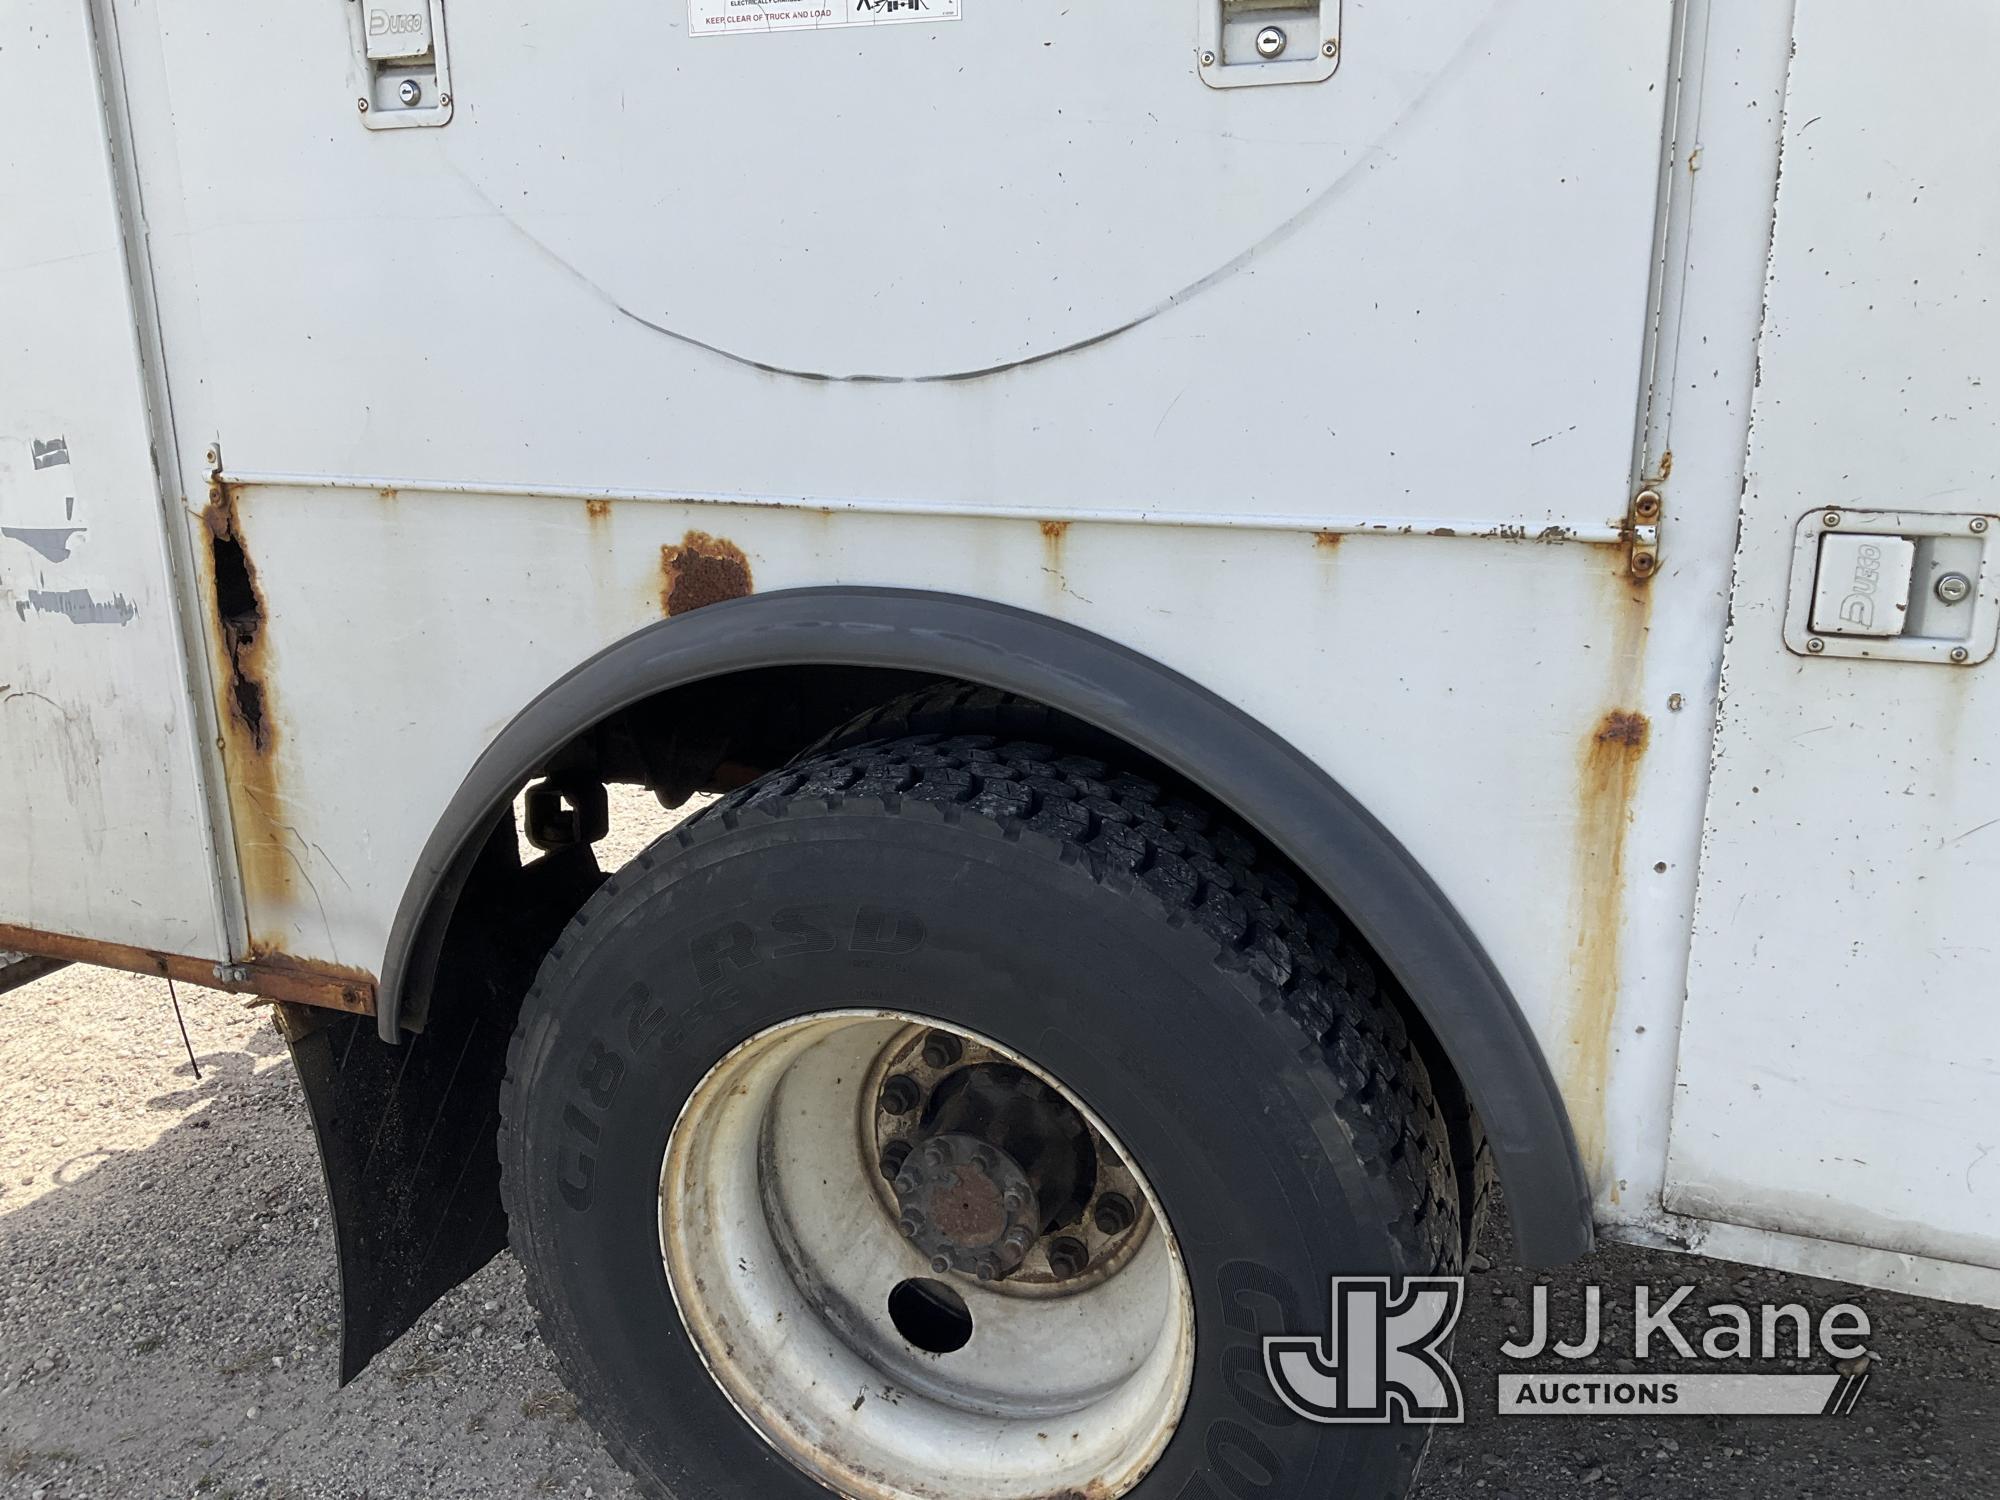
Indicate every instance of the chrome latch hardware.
{"type": "Point", "coordinates": [1915, 586]}
{"type": "Point", "coordinates": [403, 72]}
{"type": "Point", "coordinates": [1247, 42]}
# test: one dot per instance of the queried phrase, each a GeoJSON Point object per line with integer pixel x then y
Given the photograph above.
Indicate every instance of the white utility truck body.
{"type": "Point", "coordinates": [1483, 398]}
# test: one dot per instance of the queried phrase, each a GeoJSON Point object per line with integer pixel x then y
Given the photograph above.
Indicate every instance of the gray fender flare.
{"type": "Point", "coordinates": [1360, 866]}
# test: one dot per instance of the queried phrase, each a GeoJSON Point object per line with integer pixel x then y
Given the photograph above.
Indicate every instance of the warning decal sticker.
{"type": "Point", "coordinates": [719, 17]}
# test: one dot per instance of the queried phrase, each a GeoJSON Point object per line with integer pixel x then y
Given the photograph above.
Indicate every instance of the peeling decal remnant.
{"type": "Point", "coordinates": [49, 453]}
{"type": "Point", "coordinates": [78, 606]}
{"type": "Point", "coordinates": [51, 541]}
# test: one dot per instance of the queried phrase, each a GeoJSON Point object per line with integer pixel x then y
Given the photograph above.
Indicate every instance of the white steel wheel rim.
{"type": "Point", "coordinates": [781, 1261]}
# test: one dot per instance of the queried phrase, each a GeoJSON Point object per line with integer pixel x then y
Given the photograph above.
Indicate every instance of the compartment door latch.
{"type": "Point", "coordinates": [403, 73]}
{"type": "Point", "coordinates": [1895, 586]}
{"type": "Point", "coordinates": [1246, 42]}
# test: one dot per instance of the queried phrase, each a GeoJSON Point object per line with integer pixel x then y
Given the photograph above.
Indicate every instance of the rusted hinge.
{"type": "Point", "coordinates": [1642, 534]}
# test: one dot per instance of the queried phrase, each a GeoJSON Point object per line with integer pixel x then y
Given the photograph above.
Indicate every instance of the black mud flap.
{"type": "Point", "coordinates": [407, 1133]}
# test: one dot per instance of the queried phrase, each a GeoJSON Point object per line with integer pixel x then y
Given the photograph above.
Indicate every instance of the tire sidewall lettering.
{"type": "Point", "coordinates": [657, 1024]}
{"type": "Point", "coordinates": [1256, 1301]}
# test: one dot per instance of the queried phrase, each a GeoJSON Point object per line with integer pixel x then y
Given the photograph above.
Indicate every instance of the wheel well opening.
{"type": "Point", "coordinates": [710, 737]}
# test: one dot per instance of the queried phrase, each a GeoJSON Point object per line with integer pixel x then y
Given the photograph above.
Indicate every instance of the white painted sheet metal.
{"type": "Point", "coordinates": [1417, 288]}
{"type": "Point", "coordinates": [639, 263]}
{"type": "Point", "coordinates": [103, 826]}
{"type": "Point", "coordinates": [1840, 1063]}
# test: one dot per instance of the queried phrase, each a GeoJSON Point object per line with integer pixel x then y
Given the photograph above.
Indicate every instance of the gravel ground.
{"type": "Point", "coordinates": [168, 1312]}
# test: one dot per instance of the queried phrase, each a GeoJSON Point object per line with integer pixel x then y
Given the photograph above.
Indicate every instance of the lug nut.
{"type": "Point", "coordinates": [942, 1049]}
{"type": "Point", "coordinates": [911, 1223]}
{"type": "Point", "coordinates": [1115, 1213]}
{"type": "Point", "coordinates": [1020, 1237]}
{"type": "Point", "coordinates": [987, 1269]}
{"type": "Point", "coordinates": [940, 1264]}
{"type": "Point", "coordinates": [1068, 1257]}
{"type": "Point", "coordinates": [901, 1094]}
{"type": "Point", "coordinates": [893, 1156]}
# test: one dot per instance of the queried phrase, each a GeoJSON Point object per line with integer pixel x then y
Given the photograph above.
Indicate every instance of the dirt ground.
{"type": "Point", "coordinates": [168, 1317]}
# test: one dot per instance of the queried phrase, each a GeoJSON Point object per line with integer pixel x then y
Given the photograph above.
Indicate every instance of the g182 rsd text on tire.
{"type": "Point", "coordinates": [1132, 949]}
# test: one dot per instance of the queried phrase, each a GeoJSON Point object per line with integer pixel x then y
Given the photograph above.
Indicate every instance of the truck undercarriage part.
{"type": "Point", "coordinates": [17, 969]}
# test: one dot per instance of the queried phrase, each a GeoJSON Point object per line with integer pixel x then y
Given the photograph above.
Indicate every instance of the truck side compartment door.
{"type": "Point", "coordinates": [1840, 1058]}
{"type": "Point", "coordinates": [104, 833]}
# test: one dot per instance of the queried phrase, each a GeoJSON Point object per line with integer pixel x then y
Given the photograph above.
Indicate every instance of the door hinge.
{"type": "Point", "coordinates": [1642, 534]}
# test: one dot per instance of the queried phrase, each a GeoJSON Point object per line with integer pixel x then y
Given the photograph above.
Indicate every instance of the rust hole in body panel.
{"type": "Point", "coordinates": [270, 868]}
{"type": "Point", "coordinates": [701, 571]}
{"type": "Point", "coordinates": [239, 617]}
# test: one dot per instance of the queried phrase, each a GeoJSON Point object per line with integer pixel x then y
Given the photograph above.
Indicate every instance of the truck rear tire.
{"type": "Point", "coordinates": [952, 1118]}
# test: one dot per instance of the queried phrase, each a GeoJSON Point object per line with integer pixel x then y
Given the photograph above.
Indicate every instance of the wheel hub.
{"type": "Point", "coordinates": [992, 1174]}
{"type": "Point", "coordinates": [967, 1207]}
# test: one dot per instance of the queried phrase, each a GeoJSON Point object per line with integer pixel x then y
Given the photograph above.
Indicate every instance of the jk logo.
{"type": "Point", "coordinates": [1382, 1359]}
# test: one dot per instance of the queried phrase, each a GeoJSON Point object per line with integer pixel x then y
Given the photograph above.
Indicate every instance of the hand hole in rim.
{"type": "Point", "coordinates": [930, 1315]}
